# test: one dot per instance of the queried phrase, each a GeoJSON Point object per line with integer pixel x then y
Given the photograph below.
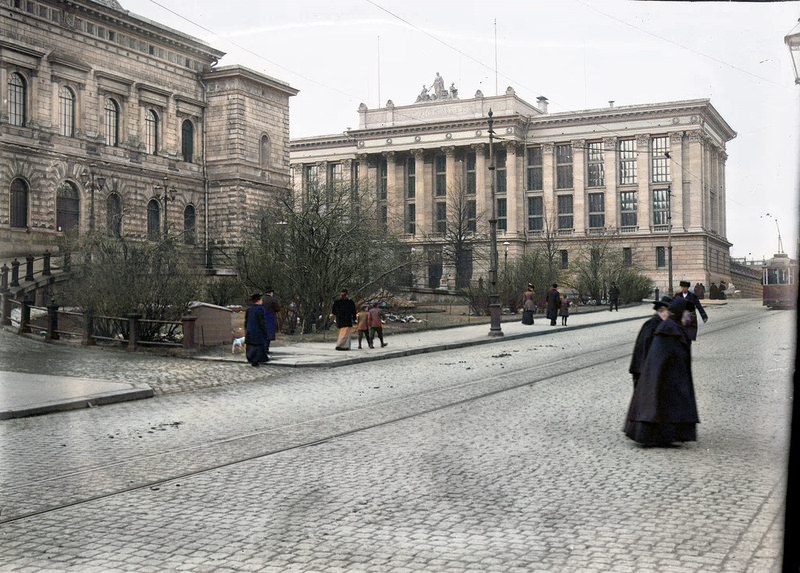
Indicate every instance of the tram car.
{"type": "Point", "coordinates": [779, 282]}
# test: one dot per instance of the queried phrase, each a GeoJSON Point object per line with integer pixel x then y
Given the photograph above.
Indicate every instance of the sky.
{"type": "Point", "coordinates": [578, 53]}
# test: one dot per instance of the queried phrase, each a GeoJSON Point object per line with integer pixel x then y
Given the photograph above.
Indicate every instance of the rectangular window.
{"type": "Point", "coordinates": [659, 159]}
{"type": "Point", "coordinates": [627, 257]}
{"type": "Point", "coordinates": [564, 166]}
{"type": "Point", "coordinates": [311, 177]}
{"type": "Point", "coordinates": [335, 174]}
{"type": "Point", "coordinates": [661, 257]}
{"type": "Point", "coordinates": [411, 177]}
{"type": "Point", "coordinates": [564, 259]}
{"type": "Point", "coordinates": [472, 216]}
{"type": "Point", "coordinates": [441, 218]}
{"type": "Point", "coordinates": [565, 212]}
{"type": "Point", "coordinates": [411, 218]}
{"type": "Point", "coordinates": [500, 171]}
{"type": "Point", "coordinates": [471, 175]}
{"type": "Point", "coordinates": [534, 169]}
{"type": "Point", "coordinates": [628, 157]}
{"type": "Point", "coordinates": [595, 170]}
{"type": "Point", "coordinates": [440, 173]}
{"type": "Point", "coordinates": [502, 215]}
{"type": "Point", "coordinates": [661, 207]}
{"type": "Point", "coordinates": [535, 213]}
{"type": "Point", "coordinates": [627, 209]}
{"type": "Point", "coordinates": [383, 177]}
{"type": "Point", "coordinates": [597, 210]}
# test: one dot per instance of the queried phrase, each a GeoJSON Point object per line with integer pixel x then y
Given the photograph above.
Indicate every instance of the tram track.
{"type": "Point", "coordinates": [74, 488]}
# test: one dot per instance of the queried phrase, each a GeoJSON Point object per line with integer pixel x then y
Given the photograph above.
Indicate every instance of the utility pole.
{"type": "Point", "coordinates": [494, 305]}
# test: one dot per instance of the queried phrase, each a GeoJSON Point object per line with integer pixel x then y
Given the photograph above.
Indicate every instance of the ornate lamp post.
{"type": "Point", "coordinates": [494, 305]}
{"type": "Point", "coordinates": [90, 179]}
{"type": "Point", "coordinates": [168, 195]}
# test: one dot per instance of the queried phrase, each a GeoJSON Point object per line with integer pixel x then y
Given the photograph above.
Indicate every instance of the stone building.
{"type": "Point", "coordinates": [621, 173]}
{"type": "Point", "coordinates": [116, 123]}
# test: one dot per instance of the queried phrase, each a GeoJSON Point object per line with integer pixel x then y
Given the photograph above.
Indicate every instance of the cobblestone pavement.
{"type": "Point", "coordinates": [505, 457]}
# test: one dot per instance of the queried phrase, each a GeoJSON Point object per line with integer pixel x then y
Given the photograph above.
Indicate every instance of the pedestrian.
{"type": "Point", "coordinates": [697, 290]}
{"type": "Point", "coordinates": [376, 324]}
{"type": "Point", "coordinates": [553, 301]}
{"type": "Point", "coordinates": [528, 308]}
{"type": "Point", "coordinates": [344, 310]}
{"type": "Point", "coordinates": [363, 326]}
{"type": "Point", "coordinates": [714, 294]}
{"type": "Point", "coordinates": [255, 332]}
{"type": "Point", "coordinates": [645, 337]}
{"type": "Point", "coordinates": [696, 306]}
{"type": "Point", "coordinates": [563, 311]}
{"type": "Point", "coordinates": [271, 308]}
{"type": "Point", "coordinates": [722, 290]}
{"type": "Point", "coordinates": [613, 297]}
{"type": "Point", "coordinates": [663, 408]}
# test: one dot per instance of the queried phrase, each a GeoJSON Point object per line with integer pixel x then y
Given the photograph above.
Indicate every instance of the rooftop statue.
{"type": "Point", "coordinates": [437, 91]}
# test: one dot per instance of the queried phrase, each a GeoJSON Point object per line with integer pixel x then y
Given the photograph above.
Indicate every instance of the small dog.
{"type": "Point", "coordinates": [237, 343]}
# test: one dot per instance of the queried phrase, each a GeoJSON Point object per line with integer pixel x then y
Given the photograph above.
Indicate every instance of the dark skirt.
{"type": "Point", "coordinates": [527, 317]}
{"type": "Point", "coordinates": [256, 353]}
{"type": "Point", "coordinates": [660, 434]}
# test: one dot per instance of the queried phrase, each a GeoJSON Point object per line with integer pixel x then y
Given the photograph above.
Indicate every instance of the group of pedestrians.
{"type": "Point", "coordinates": [368, 322]}
{"type": "Point", "coordinates": [261, 326]}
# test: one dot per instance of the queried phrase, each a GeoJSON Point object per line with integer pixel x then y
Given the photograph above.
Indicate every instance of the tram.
{"type": "Point", "coordinates": [779, 282]}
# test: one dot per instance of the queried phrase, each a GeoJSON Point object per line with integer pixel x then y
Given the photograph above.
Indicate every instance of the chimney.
{"type": "Point", "coordinates": [611, 103]}
{"type": "Point", "coordinates": [542, 101]}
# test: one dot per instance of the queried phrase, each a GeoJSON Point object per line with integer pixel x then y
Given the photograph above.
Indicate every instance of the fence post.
{"type": "Point", "coordinates": [46, 264]}
{"type": "Point", "coordinates": [88, 329]}
{"type": "Point", "coordinates": [4, 273]}
{"type": "Point", "coordinates": [29, 268]}
{"type": "Point", "coordinates": [25, 316]}
{"type": "Point", "coordinates": [15, 273]}
{"type": "Point", "coordinates": [188, 331]}
{"type": "Point", "coordinates": [5, 308]}
{"type": "Point", "coordinates": [52, 321]}
{"type": "Point", "coordinates": [67, 260]}
{"type": "Point", "coordinates": [133, 330]}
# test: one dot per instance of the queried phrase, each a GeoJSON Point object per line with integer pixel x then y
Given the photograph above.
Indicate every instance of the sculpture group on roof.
{"type": "Point", "coordinates": [437, 91]}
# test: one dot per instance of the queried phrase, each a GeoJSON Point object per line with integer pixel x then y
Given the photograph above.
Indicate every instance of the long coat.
{"type": "Point", "coordinates": [553, 300]}
{"type": "Point", "coordinates": [642, 346]}
{"type": "Point", "coordinates": [271, 306]}
{"type": "Point", "coordinates": [691, 328]}
{"type": "Point", "coordinates": [663, 407]}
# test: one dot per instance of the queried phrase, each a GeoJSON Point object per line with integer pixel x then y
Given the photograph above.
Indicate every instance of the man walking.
{"type": "Point", "coordinates": [375, 324]}
{"type": "Point", "coordinates": [613, 297]}
{"type": "Point", "coordinates": [691, 328]}
{"type": "Point", "coordinates": [344, 310]}
{"type": "Point", "coordinates": [553, 300]}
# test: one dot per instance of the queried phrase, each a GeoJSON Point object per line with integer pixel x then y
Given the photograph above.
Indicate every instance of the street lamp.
{"type": "Point", "coordinates": [169, 194]}
{"type": "Point", "coordinates": [494, 305]}
{"type": "Point", "coordinates": [90, 179]}
{"type": "Point", "coordinates": [793, 42]}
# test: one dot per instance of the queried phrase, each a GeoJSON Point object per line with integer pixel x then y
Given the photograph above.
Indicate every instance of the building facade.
{"type": "Point", "coordinates": [115, 123]}
{"type": "Point", "coordinates": [643, 177]}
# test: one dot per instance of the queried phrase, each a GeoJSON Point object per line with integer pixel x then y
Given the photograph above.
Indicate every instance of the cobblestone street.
{"type": "Point", "coordinates": [501, 457]}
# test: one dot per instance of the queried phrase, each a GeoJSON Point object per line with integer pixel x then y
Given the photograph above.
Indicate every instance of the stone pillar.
{"type": "Point", "coordinates": [580, 217]}
{"type": "Point", "coordinates": [548, 188]}
{"type": "Point", "coordinates": [643, 198]}
{"type": "Point", "coordinates": [610, 174]}
{"type": "Point", "coordinates": [515, 196]}
{"type": "Point", "coordinates": [133, 330]}
{"type": "Point", "coordinates": [676, 177]}
{"type": "Point", "coordinates": [394, 192]}
{"type": "Point", "coordinates": [695, 182]}
{"type": "Point", "coordinates": [25, 315]}
{"type": "Point", "coordinates": [15, 273]}
{"type": "Point", "coordinates": [88, 329]}
{"type": "Point", "coordinates": [4, 278]}
{"type": "Point", "coordinates": [46, 264]}
{"type": "Point", "coordinates": [29, 268]}
{"type": "Point", "coordinates": [723, 157]}
{"type": "Point", "coordinates": [188, 323]}
{"type": "Point", "coordinates": [52, 322]}
{"type": "Point", "coordinates": [5, 308]}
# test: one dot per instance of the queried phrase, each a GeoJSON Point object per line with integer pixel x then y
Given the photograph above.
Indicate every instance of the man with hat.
{"type": "Point", "coordinates": [645, 337]}
{"type": "Point", "coordinates": [693, 308]}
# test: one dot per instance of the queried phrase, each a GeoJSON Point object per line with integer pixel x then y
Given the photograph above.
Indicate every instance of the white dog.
{"type": "Point", "coordinates": [237, 343]}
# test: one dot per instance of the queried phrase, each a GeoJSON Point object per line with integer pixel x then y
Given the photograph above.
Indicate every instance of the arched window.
{"type": "Point", "coordinates": [153, 220]}
{"type": "Point", "coordinates": [112, 122]}
{"type": "Point", "coordinates": [187, 140]}
{"type": "Point", "coordinates": [19, 204]}
{"type": "Point", "coordinates": [189, 232]}
{"type": "Point", "coordinates": [151, 132]}
{"type": "Point", "coordinates": [263, 152]}
{"type": "Point", "coordinates": [66, 111]}
{"type": "Point", "coordinates": [68, 208]}
{"type": "Point", "coordinates": [17, 92]}
{"type": "Point", "coordinates": [114, 215]}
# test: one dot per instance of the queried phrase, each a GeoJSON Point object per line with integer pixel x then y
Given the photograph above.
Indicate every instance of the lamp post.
{"type": "Point", "coordinates": [90, 179]}
{"type": "Point", "coordinates": [494, 305]}
{"type": "Point", "coordinates": [670, 288]}
{"type": "Point", "coordinates": [168, 195]}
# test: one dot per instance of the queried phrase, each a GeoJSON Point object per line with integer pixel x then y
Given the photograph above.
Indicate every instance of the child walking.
{"type": "Point", "coordinates": [563, 312]}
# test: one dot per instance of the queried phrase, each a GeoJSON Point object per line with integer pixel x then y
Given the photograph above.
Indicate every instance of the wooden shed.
{"type": "Point", "coordinates": [213, 325]}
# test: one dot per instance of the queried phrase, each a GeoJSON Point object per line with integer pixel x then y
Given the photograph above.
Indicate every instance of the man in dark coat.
{"type": "Point", "coordinates": [645, 337]}
{"type": "Point", "coordinates": [613, 297]}
{"type": "Point", "coordinates": [695, 307]}
{"type": "Point", "coordinates": [344, 310]}
{"type": "Point", "coordinates": [271, 308]}
{"type": "Point", "coordinates": [663, 408]}
{"type": "Point", "coordinates": [553, 301]}
{"type": "Point", "coordinates": [255, 332]}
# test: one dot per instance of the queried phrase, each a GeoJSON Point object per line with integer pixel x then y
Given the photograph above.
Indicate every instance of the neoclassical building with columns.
{"type": "Point", "coordinates": [643, 177]}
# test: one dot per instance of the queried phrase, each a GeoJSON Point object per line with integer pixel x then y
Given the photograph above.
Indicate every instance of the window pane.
{"type": "Point", "coordinates": [535, 213]}
{"type": "Point", "coordinates": [535, 168]}
{"type": "Point", "coordinates": [112, 122]}
{"type": "Point", "coordinates": [66, 112]}
{"type": "Point", "coordinates": [441, 175]}
{"type": "Point", "coordinates": [597, 217]}
{"type": "Point", "coordinates": [594, 164]}
{"type": "Point", "coordinates": [500, 171]}
{"type": "Point", "coordinates": [471, 174]}
{"type": "Point", "coordinates": [19, 204]}
{"type": "Point", "coordinates": [659, 162]}
{"type": "Point", "coordinates": [153, 221]}
{"type": "Point", "coordinates": [565, 211]}
{"type": "Point", "coordinates": [627, 162]}
{"type": "Point", "coordinates": [114, 215]}
{"type": "Point", "coordinates": [411, 177]}
{"type": "Point", "coordinates": [151, 132]}
{"type": "Point", "coordinates": [189, 225]}
{"type": "Point", "coordinates": [16, 100]}
{"type": "Point", "coordinates": [502, 215]}
{"type": "Point", "coordinates": [627, 201]}
{"type": "Point", "coordinates": [187, 141]}
{"type": "Point", "coordinates": [441, 217]}
{"type": "Point", "coordinates": [564, 166]}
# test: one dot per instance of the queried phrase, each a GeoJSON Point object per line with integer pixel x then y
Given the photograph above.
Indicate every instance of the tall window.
{"type": "Point", "coordinates": [264, 152]}
{"type": "Point", "coordinates": [66, 111]}
{"type": "Point", "coordinates": [661, 257]}
{"type": "Point", "coordinates": [17, 92]}
{"type": "Point", "coordinates": [441, 217]}
{"type": "Point", "coordinates": [564, 166]}
{"type": "Point", "coordinates": [114, 215]}
{"type": "Point", "coordinates": [153, 220]}
{"type": "Point", "coordinates": [627, 257]}
{"type": "Point", "coordinates": [112, 122]}
{"type": "Point", "coordinates": [187, 140]}
{"type": "Point", "coordinates": [335, 175]}
{"type": "Point", "coordinates": [189, 227]}
{"type": "Point", "coordinates": [500, 171]}
{"type": "Point", "coordinates": [627, 162]}
{"type": "Point", "coordinates": [659, 159]}
{"type": "Point", "coordinates": [411, 177]}
{"type": "Point", "coordinates": [151, 132]}
{"type": "Point", "coordinates": [68, 208]}
{"type": "Point", "coordinates": [472, 216]}
{"type": "Point", "coordinates": [597, 210]}
{"type": "Point", "coordinates": [383, 177]}
{"type": "Point", "coordinates": [627, 209]}
{"type": "Point", "coordinates": [440, 175]}
{"type": "Point", "coordinates": [502, 215]}
{"type": "Point", "coordinates": [660, 207]}
{"type": "Point", "coordinates": [595, 170]}
{"type": "Point", "coordinates": [471, 174]}
{"type": "Point", "coordinates": [534, 169]}
{"type": "Point", "coordinates": [311, 177]}
{"type": "Point", "coordinates": [564, 259]}
{"type": "Point", "coordinates": [411, 218]}
{"type": "Point", "coordinates": [535, 213]}
{"type": "Point", "coordinates": [19, 204]}
{"type": "Point", "coordinates": [565, 211]}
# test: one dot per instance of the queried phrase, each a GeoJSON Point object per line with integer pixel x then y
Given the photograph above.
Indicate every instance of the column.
{"type": "Point", "coordinates": [643, 176]}
{"type": "Point", "coordinates": [394, 191]}
{"type": "Point", "coordinates": [676, 177]}
{"type": "Point", "coordinates": [580, 217]}
{"type": "Point", "coordinates": [515, 196]}
{"type": "Point", "coordinates": [723, 202]}
{"type": "Point", "coordinates": [548, 188]}
{"type": "Point", "coordinates": [694, 202]}
{"type": "Point", "coordinates": [424, 194]}
{"type": "Point", "coordinates": [610, 175]}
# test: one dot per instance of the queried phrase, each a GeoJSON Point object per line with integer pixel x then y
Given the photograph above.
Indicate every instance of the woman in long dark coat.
{"type": "Point", "coordinates": [256, 331]}
{"type": "Point", "coordinates": [553, 300]}
{"type": "Point", "coordinates": [645, 337]}
{"type": "Point", "coordinates": [663, 408]}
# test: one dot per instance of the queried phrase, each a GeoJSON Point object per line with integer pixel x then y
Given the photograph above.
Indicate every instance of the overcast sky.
{"type": "Point", "coordinates": [578, 53]}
